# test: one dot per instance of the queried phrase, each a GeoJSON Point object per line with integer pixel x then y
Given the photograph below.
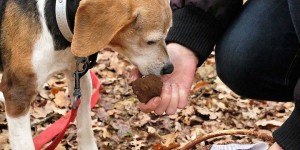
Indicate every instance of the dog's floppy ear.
{"type": "Point", "coordinates": [97, 22]}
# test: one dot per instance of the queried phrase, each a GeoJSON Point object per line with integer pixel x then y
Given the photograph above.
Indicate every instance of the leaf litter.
{"type": "Point", "coordinates": [119, 124]}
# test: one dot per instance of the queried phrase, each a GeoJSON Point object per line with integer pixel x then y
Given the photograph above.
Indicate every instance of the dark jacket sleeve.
{"type": "Point", "coordinates": [288, 135]}
{"type": "Point", "coordinates": [198, 24]}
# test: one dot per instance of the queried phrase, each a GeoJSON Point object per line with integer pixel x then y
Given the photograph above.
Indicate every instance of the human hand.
{"type": "Point", "coordinates": [176, 86]}
{"type": "Point", "coordinates": [275, 146]}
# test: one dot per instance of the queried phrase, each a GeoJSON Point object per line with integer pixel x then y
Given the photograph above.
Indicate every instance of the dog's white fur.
{"type": "Point", "coordinates": [20, 132]}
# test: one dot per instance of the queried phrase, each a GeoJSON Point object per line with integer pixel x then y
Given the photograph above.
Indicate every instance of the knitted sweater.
{"type": "Point", "coordinates": [205, 21]}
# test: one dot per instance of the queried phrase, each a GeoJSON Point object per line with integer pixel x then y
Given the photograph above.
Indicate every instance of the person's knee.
{"type": "Point", "coordinates": [246, 54]}
{"type": "Point", "coordinates": [235, 74]}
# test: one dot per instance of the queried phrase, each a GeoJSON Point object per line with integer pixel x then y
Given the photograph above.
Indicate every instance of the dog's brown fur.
{"type": "Point", "coordinates": [106, 24]}
{"type": "Point", "coordinates": [18, 83]}
{"type": "Point", "coordinates": [114, 28]}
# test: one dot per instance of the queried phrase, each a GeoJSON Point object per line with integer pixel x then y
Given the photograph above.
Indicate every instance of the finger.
{"type": "Point", "coordinates": [134, 74]}
{"type": "Point", "coordinates": [150, 106]}
{"type": "Point", "coordinates": [166, 77]}
{"type": "Point", "coordinates": [165, 99]}
{"type": "Point", "coordinates": [183, 97]}
{"type": "Point", "coordinates": [174, 100]}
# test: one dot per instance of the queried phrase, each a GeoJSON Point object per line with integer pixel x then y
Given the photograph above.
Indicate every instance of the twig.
{"type": "Point", "coordinates": [43, 120]}
{"type": "Point", "coordinates": [257, 134]}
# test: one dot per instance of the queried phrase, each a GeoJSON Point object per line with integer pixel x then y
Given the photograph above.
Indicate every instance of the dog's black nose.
{"type": "Point", "coordinates": [167, 69]}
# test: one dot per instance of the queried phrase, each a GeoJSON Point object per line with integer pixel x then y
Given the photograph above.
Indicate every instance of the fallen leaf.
{"type": "Point", "coordinates": [137, 144]}
{"type": "Point", "coordinates": [140, 120]}
{"type": "Point", "coordinates": [103, 132]}
{"type": "Point", "coordinates": [265, 123]}
{"type": "Point", "coordinates": [198, 86]}
{"type": "Point", "coordinates": [61, 99]}
{"type": "Point", "coordinates": [205, 111]}
{"type": "Point", "coordinates": [124, 130]}
{"type": "Point", "coordinates": [169, 139]}
{"type": "Point", "coordinates": [159, 146]}
{"type": "Point", "coordinates": [4, 140]}
{"type": "Point", "coordinates": [151, 129]}
{"type": "Point", "coordinates": [54, 90]}
{"type": "Point", "coordinates": [41, 112]}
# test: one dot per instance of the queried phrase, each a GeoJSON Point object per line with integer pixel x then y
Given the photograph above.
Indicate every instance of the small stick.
{"type": "Point", "coordinates": [257, 134]}
{"type": "Point", "coordinates": [43, 120]}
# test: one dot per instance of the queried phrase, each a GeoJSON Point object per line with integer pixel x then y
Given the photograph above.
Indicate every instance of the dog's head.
{"type": "Point", "coordinates": [134, 28]}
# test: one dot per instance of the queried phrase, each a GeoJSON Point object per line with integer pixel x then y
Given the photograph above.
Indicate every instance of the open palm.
{"type": "Point", "coordinates": [176, 86]}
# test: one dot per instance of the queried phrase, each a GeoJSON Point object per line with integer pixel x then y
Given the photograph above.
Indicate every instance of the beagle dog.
{"type": "Point", "coordinates": [39, 38]}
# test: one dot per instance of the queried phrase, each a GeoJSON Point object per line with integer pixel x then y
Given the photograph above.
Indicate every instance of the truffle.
{"type": "Point", "coordinates": [147, 87]}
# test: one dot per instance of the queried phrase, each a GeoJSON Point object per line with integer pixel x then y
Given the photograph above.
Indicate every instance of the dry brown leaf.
{"type": "Point", "coordinates": [103, 131]}
{"type": "Point", "coordinates": [125, 103]}
{"type": "Point", "coordinates": [159, 146]}
{"type": "Point", "coordinates": [4, 140]}
{"type": "Point", "coordinates": [54, 90]}
{"type": "Point", "coordinates": [178, 127]}
{"type": "Point", "coordinates": [58, 82]}
{"type": "Point", "coordinates": [265, 123]}
{"type": "Point", "coordinates": [195, 132]}
{"type": "Point", "coordinates": [205, 111]}
{"type": "Point", "coordinates": [41, 112]}
{"type": "Point", "coordinates": [137, 144]}
{"type": "Point", "coordinates": [251, 114]}
{"type": "Point", "coordinates": [2, 117]}
{"type": "Point", "coordinates": [117, 65]}
{"type": "Point", "coordinates": [169, 139]}
{"type": "Point", "coordinates": [61, 99]}
{"type": "Point", "coordinates": [198, 86]}
{"type": "Point", "coordinates": [205, 71]}
{"type": "Point", "coordinates": [188, 111]}
{"type": "Point", "coordinates": [151, 130]}
{"type": "Point", "coordinates": [61, 111]}
{"type": "Point", "coordinates": [140, 120]}
{"type": "Point", "coordinates": [124, 130]}
{"type": "Point", "coordinates": [102, 115]}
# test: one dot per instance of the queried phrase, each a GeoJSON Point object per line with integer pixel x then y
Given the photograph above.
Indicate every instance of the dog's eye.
{"type": "Point", "coordinates": [151, 42]}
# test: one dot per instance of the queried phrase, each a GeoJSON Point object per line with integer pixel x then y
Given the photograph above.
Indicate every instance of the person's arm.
{"type": "Point", "coordinates": [198, 24]}
{"type": "Point", "coordinates": [288, 135]}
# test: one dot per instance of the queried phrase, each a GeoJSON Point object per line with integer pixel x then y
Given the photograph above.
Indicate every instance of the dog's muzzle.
{"type": "Point", "coordinates": [167, 69]}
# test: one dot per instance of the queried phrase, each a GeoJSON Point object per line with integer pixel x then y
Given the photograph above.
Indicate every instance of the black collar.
{"type": "Point", "coordinates": [60, 43]}
{"type": "Point", "coordinates": [72, 6]}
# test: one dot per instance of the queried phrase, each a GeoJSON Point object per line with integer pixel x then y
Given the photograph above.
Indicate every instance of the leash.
{"type": "Point", "coordinates": [59, 128]}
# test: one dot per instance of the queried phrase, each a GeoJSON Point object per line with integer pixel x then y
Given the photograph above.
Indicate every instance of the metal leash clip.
{"type": "Point", "coordinates": [82, 66]}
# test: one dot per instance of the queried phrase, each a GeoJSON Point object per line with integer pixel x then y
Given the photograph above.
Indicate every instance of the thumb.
{"type": "Point", "coordinates": [150, 106]}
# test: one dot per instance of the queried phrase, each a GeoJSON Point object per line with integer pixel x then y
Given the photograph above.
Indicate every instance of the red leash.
{"type": "Point", "coordinates": [59, 128]}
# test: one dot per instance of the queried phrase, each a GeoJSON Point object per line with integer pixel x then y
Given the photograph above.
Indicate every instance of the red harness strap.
{"type": "Point", "coordinates": [59, 128]}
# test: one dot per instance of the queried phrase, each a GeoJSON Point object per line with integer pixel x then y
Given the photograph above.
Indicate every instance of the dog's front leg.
{"type": "Point", "coordinates": [85, 135]}
{"type": "Point", "coordinates": [20, 137]}
{"type": "Point", "coordinates": [18, 93]}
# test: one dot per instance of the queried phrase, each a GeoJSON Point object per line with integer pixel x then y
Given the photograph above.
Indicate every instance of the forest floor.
{"type": "Point", "coordinates": [119, 124]}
